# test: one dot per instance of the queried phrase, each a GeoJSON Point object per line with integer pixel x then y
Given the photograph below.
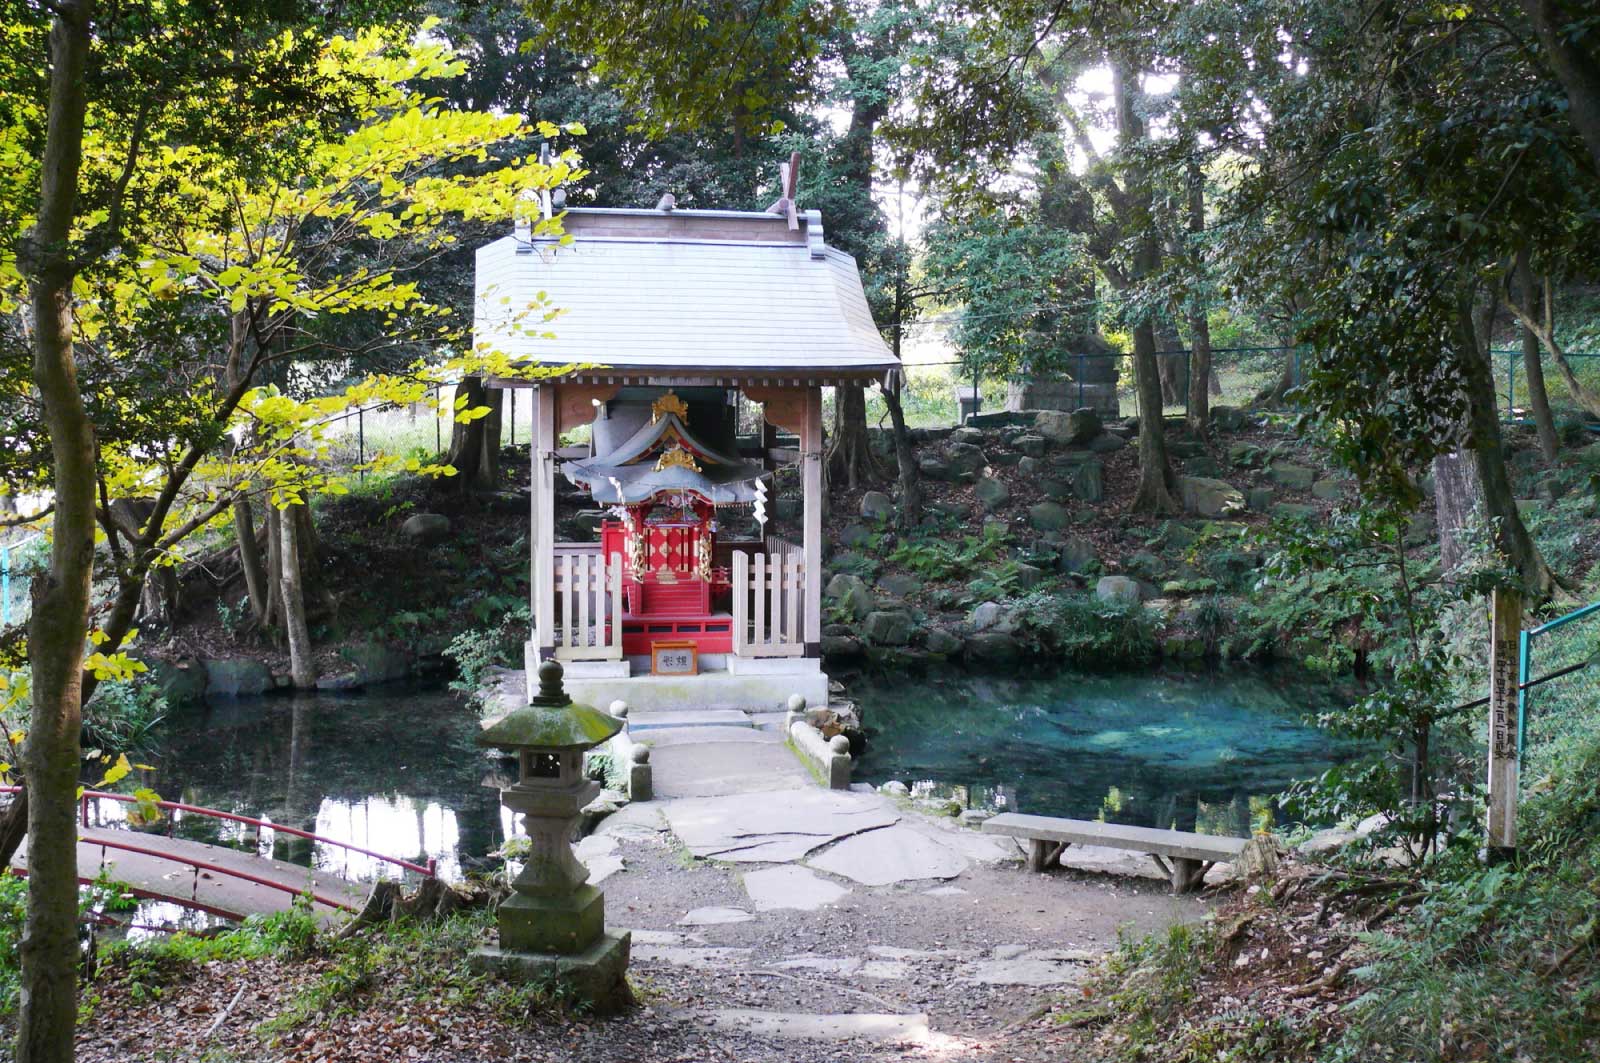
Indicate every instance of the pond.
{"type": "Point", "coordinates": [394, 769]}
{"type": "Point", "coordinates": [1202, 750]}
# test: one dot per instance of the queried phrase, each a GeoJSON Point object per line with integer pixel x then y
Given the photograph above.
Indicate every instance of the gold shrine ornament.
{"type": "Point", "coordinates": [679, 458]}
{"type": "Point", "coordinates": [669, 403]}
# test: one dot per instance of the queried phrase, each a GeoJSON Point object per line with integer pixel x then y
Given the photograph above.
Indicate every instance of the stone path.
{"type": "Point", "coordinates": [782, 911]}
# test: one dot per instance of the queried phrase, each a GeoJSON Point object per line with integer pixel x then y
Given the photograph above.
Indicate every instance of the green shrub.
{"type": "Point", "coordinates": [1086, 631]}
{"type": "Point", "coordinates": [123, 714]}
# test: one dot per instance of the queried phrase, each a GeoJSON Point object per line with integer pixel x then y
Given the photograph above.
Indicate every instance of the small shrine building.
{"type": "Point", "coordinates": [670, 320]}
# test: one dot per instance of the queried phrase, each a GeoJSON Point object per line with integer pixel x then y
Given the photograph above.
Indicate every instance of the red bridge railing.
{"type": "Point", "coordinates": [428, 870]}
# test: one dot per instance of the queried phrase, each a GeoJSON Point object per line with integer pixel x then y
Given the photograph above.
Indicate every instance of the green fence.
{"type": "Point", "coordinates": [1556, 688]}
{"type": "Point", "coordinates": [1512, 381]}
{"type": "Point", "coordinates": [15, 573]}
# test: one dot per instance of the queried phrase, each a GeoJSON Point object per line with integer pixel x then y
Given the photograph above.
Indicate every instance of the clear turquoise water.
{"type": "Point", "coordinates": [1206, 750]}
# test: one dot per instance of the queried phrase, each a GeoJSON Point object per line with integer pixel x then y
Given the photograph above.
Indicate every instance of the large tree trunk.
{"type": "Point", "coordinates": [1575, 61]}
{"type": "Point", "coordinates": [475, 446]}
{"type": "Point", "coordinates": [59, 625]}
{"type": "Point", "coordinates": [1533, 363]}
{"type": "Point", "coordinates": [906, 460]}
{"type": "Point", "coordinates": [1157, 485]}
{"type": "Point", "coordinates": [302, 659]}
{"type": "Point", "coordinates": [251, 562]}
{"type": "Point", "coordinates": [1511, 536]}
{"type": "Point", "coordinates": [1201, 377]}
{"type": "Point", "coordinates": [1457, 506]}
{"type": "Point", "coordinates": [850, 456]}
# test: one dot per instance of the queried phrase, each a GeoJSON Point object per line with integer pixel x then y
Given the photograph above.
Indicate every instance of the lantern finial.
{"type": "Point", "coordinates": [551, 693]}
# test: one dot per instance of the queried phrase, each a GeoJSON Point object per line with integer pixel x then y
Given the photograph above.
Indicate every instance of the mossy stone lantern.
{"type": "Point", "coordinates": [553, 924]}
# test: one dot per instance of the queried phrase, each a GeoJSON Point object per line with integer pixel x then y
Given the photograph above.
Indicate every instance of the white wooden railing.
{"type": "Point", "coordinates": [767, 594]}
{"type": "Point", "coordinates": [588, 607]}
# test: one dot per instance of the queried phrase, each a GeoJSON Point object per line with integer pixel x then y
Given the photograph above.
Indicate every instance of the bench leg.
{"type": "Point", "coordinates": [1043, 855]}
{"type": "Point", "coordinates": [1188, 875]}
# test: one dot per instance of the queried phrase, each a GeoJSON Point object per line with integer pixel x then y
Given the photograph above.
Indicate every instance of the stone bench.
{"type": "Point", "coordinates": [1191, 855]}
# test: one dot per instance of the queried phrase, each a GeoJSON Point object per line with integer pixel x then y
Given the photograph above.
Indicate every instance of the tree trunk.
{"type": "Point", "coordinates": [1575, 63]}
{"type": "Point", "coordinates": [59, 625]}
{"type": "Point", "coordinates": [1173, 363]}
{"type": "Point", "coordinates": [251, 563]}
{"type": "Point", "coordinates": [850, 457]}
{"type": "Point", "coordinates": [1458, 507]}
{"type": "Point", "coordinates": [14, 825]}
{"type": "Point", "coordinates": [1533, 364]}
{"type": "Point", "coordinates": [1511, 536]}
{"type": "Point", "coordinates": [906, 460]}
{"type": "Point", "coordinates": [302, 659]}
{"type": "Point", "coordinates": [1201, 376]}
{"type": "Point", "coordinates": [475, 446]}
{"type": "Point", "coordinates": [1156, 481]}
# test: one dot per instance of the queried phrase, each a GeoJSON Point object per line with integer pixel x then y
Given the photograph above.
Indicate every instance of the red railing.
{"type": "Point", "coordinates": [427, 871]}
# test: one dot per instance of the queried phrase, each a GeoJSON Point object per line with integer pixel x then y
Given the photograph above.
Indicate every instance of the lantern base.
{"type": "Point", "coordinates": [597, 976]}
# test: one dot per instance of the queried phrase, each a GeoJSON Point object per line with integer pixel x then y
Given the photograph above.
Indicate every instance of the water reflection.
{"type": "Point", "coordinates": [1192, 751]}
{"type": "Point", "coordinates": [392, 770]}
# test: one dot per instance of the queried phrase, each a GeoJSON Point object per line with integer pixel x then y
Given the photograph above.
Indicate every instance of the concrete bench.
{"type": "Point", "coordinates": [1191, 855]}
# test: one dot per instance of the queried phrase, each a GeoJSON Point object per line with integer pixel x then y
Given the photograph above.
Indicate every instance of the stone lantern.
{"type": "Point", "coordinates": [553, 924]}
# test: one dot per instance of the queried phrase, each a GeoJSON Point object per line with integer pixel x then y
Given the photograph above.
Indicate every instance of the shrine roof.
{"type": "Point", "coordinates": [684, 291]}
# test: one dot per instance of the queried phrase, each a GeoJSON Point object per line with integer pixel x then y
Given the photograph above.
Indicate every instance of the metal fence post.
{"type": "Point", "coordinates": [361, 440]}
{"type": "Point", "coordinates": [438, 441]}
{"type": "Point", "coordinates": [513, 416]}
{"type": "Point", "coordinates": [1524, 669]}
{"type": "Point", "coordinates": [1081, 360]}
{"type": "Point", "coordinates": [1511, 390]}
{"type": "Point", "coordinates": [5, 586]}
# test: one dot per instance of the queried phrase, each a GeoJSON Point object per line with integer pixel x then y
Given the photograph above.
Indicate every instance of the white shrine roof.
{"type": "Point", "coordinates": [684, 292]}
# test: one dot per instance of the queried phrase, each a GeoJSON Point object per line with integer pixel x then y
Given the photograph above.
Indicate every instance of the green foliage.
{"type": "Point", "coordinates": [123, 714]}
{"type": "Point", "coordinates": [13, 908]}
{"type": "Point", "coordinates": [1086, 632]}
{"type": "Point", "coordinates": [474, 652]}
{"type": "Point", "coordinates": [941, 559]}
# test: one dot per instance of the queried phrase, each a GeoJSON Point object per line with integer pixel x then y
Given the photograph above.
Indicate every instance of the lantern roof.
{"type": "Point", "coordinates": [551, 722]}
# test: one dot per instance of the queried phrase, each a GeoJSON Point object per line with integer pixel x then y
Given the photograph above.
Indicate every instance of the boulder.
{"type": "Point", "coordinates": [1327, 490]}
{"type": "Point", "coordinates": [1107, 443]}
{"type": "Point", "coordinates": [888, 628]}
{"type": "Point", "coordinates": [1077, 554]}
{"type": "Point", "coordinates": [181, 681]}
{"type": "Point", "coordinates": [993, 647]}
{"type": "Point", "coordinates": [933, 467]}
{"type": "Point", "coordinates": [1031, 444]}
{"type": "Point", "coordinates": [965, 461]}
{"type": "Point", "coordinates": [1006, 459]}
{"type": "Point", "coordinates": [1030, 468]}
{"type": "Point", "coordinates": [985, 616]}
{"type": "Point", "coordinates": [946, 508]}
{"type": "Point", "coordinates": [1259, 499]}
{"type": "Point", "coordinates": [1090, 483]}
{"type": "Point", "coordinates": [237, 677]}
{"type": "Point", "coordinates": [1049, 516]}
{"type": "Point", "coordinates": [851, 595]}
{"type": "Point", "coordinates": [1057, 490]}
{"type": "Point", "coordinates": [875, 505]}
{"type": "Point", "coordinates": [855, 535]}
{"type": "Point", "coordinates": [992, 494]}
{"type": "Point", "coordinates": [1243, 455]}
{"type": "Point", "coordinates": [1145, 564]}
{"type": "Point", "coordinates": [1210, 498]}
{"type": "Point", "coordinates": [1028, 576]}
{"type": "Point", "coordinates": [426, 529]}
{"type": "Point", "coordinates": [970, 436]}
{"type": "Point", "coordinates": [1295, 477]}
{"type": "Point", "coordinates": [939, 640]}
{"type": "Point", "coordinates": [1293, 511]}
{"type": "Point", "coordinates": [1122, 589]}
{"type": "Point", "coordinates": [899, 584]}
{"type": "Point", "coordinates": [1204, 465]}
{"type": "Point", "coordinates": [1227, 418]}
{"type": "Point", "coordinates": [1077, 427]}
{"type": "Point", "coordinates": [841, 646]}
{"type": "Point", "coordinates": [378, 662]}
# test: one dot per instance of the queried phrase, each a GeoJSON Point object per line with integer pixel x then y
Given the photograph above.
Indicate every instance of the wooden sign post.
{"type": "Point", "coordinates": [1505, 633]}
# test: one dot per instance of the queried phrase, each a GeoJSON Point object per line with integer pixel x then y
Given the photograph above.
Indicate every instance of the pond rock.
{"type": "Point", "coordinates": [942, 641]}
{"type": "Point", "coordinates": [1076, 553]}
{"type": "Point", "coordinates": [1123, 589]}
{"type": "Point", "coordinates": [850, 594]}
{"type": "Point", "coordinates": [1210, 498]}
{"type": "Point", "coordinates": [1107, 443]}
{"type": "Point", "coordinates": [933, 467]}
{"type": "Point", "coordinates": [182, 681]}
{"type": "Point", "coordinates": [855, 535]}
{"type": "Point", "coordinates": [1031, 444]}
{"type": "Point", "coordinates": [993, 647]}
{"type": "Point", "coordinates": [888, 627]}
{"type": "Point", "coordinates": [964, 461]}
{"type": "Point", "coordinates": [1077, 427]}
{"type": "Point", "coordinates": [899, 584]}
{"type": "Point", "coordinates": [1030, 467]}
{"type": "Point", "coordinates": [992, 493]}
{"type": "Point", "coordinates": [237, 677]}
{"type": "Point", "coordinates": [1057, 490]}
{"type": "Point", "coordinates": [1259, 499]}
{"type": "Point", "coordinates": [1049, 516]}
{"type": "Point", "coordinates": [1090, 483]}
{"type": "Point", "coordinates": [875, 505]}
{"type": "Point", "coordinates": [378, 662]}
{"type": "Point", "coordinates": [1295, 477]}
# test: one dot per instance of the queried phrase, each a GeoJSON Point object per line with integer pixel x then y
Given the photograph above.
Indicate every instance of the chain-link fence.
{"type": "Point", "coordinates": [1511, 382]}
{"type": "Point", "coordinates": [20, 557]}
{"type": "Point", "coordinates": [1557, 688]}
